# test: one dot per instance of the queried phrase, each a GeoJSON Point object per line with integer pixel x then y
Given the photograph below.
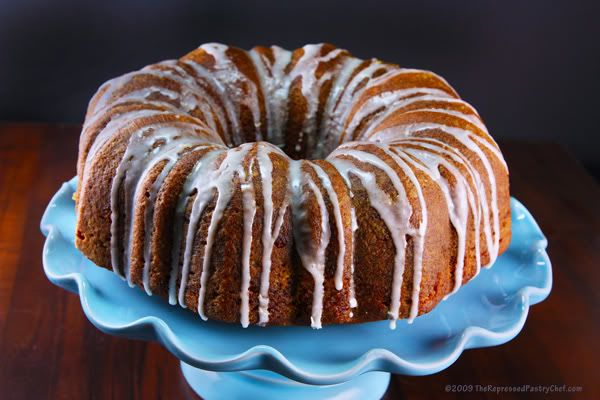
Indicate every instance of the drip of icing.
{"type": "Point", "coordinates": [249, 201]}
{"type": "Point", "coordinates": [311, 254]}
{"type": "Point", "coordinates": [269, 233]}
{"type": "Point", "coordinates": [193, 95]}
{"type": "Point", "coordinates": [315, 263]}
{"type": "Point", "coordinates": [390, 101]}
{"type": "Point", "coordinates": [263, 82]}
{"type": "Point", "coordinates": [311, 88]}
{"type": "Point", "coordinates": [170, 156]}
{"type": "Point", "coordinates": [233, 80]}
{"type": "Point", "coordinates": [313, 257]}
{"type": "Point", "coordinates": [333, 198]}
{"type": "Point", "coordinates": [395, 72]}
{"type": "Point", "coordinates": [140, 156]}
{"type": "Point", "coordinates": [128, 158]}
{"type": "Point", "coordinates": [352, 92]}
{"type": "Point", "coordinates": [200, 169]}
{"type": "Point", "coordinates": [419, 237]}
{"type": "Point", "coordinates": [279, 88]}
{"type": "Point", "coordinates": [330, 126]}
{"type": "Point", "coordinates": [397, 219]}
{"type": "Point", "coordinates": [221, 90]}
{"type": "Point", "coordinates": [106, 91]}
{"type": "Point", "coordinates": [470, 118]}
{"type": "Point", "coordinates": [395, 105]}
{"type": "Point", "coordinates": [418, 234]}
{"type": "Point", "coordinates": [275, 88]}
{"type": "Point", "coordinates": [188, 98]}
{"type": "Point", "coordinates": [455, 199]}
{"type": "Point", "coordinates": [479, 204]}
{"type": "Point", "coordinates": [476, 203]}
{"type": "Point", "coordinates": [223, 185]}
{"type": "Point", "coordinates": [112, 127]}
{"type": "Point", "coordinates": [353, 301]}
{"type": "Point", "coordinates": [465, 137]}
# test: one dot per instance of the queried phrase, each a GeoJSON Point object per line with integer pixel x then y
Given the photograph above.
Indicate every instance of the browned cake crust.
{"type": "Point", "coordinates": [195, 183]}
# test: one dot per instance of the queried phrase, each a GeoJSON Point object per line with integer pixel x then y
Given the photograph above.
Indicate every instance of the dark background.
{"type": "Point", "coordinates": [531, 68]}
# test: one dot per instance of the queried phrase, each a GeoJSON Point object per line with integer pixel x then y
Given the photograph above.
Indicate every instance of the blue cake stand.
{"type": "Point", "coordinates": [353, 362]}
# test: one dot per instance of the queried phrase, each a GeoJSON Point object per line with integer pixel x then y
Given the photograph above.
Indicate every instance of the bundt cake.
{"type": "Point", "coordinates": [289, 187]}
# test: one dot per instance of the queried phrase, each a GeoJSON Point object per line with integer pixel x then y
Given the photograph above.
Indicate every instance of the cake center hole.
{"type": "Point", "coordinates": [309, 145]}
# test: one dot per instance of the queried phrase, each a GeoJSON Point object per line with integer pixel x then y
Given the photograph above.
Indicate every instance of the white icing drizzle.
{"type": "Point", "coordinates": [170, 156]}
{"type": "Point", "coordinates": [234, 82]}
{"type": "Point", "coordinates": [188, 99]}
{"type": "Point", "coordinates": [269, 233]}
{"type": "Point", "coordinates": [396, 220]}
{"type": "Point", "coordinates": [331, 126]}
{"type": "Point", "coordinates": [333, 198]}
{"type": "Point", "coordinates": [228, 103]}
{"type": "Point", "coordinates": [465, 137]}
{"type": "Point", "coordinates": [315, 263]}
{"type": "Point", "coordinates": [191, 94]}
{"type": "Point", "coordinates": [390, 101]}
{"type": "Point", "coordinates": [352, 300]}
{"type": "Point", "coordinates": [350, 94]}
{"type": "Point", "coordinates": [218, 172]}
{"type": "Point", "coordinates": [115, 124]}
{"type": "Point", "coordinates": [419, 237]}
{"type": "Point", "coordinates": [311, 88]}
{"type": "Point", "coordinates": [199, 169]}
{"type": "Point", "coordinates": [478, 203]}
{"type": "Point", "coordinates": [221, 180]}
{"type": "Point", "coordinates": [140, 157]}
{"type": "Point", "coordinates": [279, 91]}
{"type": "Point", "coordinates": [275, 87]}
{"type": "Point", "coordinates": [396, 216]}
{"type": "Point", "coordinates": [249, 212]}
{"type": "Point", "coordinates": [311, 254]}
{"type": "Point", "coordinates": [455, 199]}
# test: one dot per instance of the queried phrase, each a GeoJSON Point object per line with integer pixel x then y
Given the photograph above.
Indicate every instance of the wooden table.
{"type": "Point", "coordinates": [49, 350]}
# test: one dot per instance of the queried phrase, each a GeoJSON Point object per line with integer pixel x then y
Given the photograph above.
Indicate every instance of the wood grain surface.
{"type": "Point", "coordinates": [49, 350]}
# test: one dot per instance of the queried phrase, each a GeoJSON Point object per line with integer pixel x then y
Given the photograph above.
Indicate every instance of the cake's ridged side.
{"type": "Point", "coordinates": [164, 230]}
{"type": "Point", "coordinates": [138, 234]}
{"type": "Point", "coordinates": [172, 195]}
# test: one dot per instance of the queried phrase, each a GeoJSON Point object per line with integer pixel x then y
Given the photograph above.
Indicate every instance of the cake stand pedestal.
{"type": "Point", "coordinates": [266, 385]}
{"type": "Point", "coordinates": [352, 362]}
